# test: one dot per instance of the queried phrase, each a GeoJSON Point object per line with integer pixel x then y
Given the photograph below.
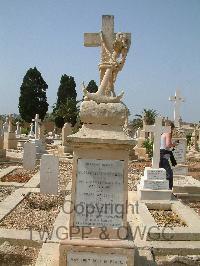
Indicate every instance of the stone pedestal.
{"type": "Point", "coordinates": [100, 170]}
{"type": "Point", "coordinates": [153, 185]}
{"type": "Point", "coordinates": [10, 141]}
{"type": "Point", "coordinates": [86, 252]}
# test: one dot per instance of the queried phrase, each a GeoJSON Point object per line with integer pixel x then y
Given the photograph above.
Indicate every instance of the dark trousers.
{"type": "Point", "coordinates": [164, 163]}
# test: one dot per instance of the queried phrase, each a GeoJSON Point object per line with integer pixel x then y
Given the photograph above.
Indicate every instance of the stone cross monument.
{"type": "Point", "coordinates": [157, 129]}
{"type": "Point", "coordinates": [114, 49]}
{"type": "Point", "coordinates": [37, 121]}
{"type": "Point", "coordinates": [177, 99]}
{"type": "Point", "coordinates": [100, 161]}
{"type": "Point", "coordinates": [153, 185]}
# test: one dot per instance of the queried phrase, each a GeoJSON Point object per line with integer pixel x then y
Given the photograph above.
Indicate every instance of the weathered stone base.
{"type": "Point", "coordinates": [96, 252]}
{"type": "Point", "coordinates": [149, 194]}
{"type": "Point", "coordinates": [180, 169]}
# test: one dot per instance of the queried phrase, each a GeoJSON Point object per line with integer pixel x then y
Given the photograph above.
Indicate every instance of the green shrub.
{"type": "Point", "coordinates": [148, 144]}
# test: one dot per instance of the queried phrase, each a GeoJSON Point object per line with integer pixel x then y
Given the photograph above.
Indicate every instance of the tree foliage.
{"type": "Point", "coordinates": [33, 98]}
{"type": "Point", "coordinates": [66, 90]}
{"type": "Point", "coordinates": [65, 109]}
{"type": "Point", "coordinates": [148, 115]}
{"type": "Point", "coordinates": [92, 86]}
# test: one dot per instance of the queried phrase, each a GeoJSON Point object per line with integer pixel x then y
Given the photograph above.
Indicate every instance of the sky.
{"type": "Point", "coordinates": [164, 53]}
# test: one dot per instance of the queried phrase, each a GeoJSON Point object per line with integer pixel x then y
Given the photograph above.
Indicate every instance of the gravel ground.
{"type": "Point", "coordinates": [166, 218]}
{"type": "Point", "coordinates": [17, 255]}
{"type": "Point", "coordinates": [65, 175]}
{"type": "Point", "coordinates": [20, 175]}
{"type": "Point", "coordinates": [194, 169]}
{"type": "Point", "coordinates": [36, 211]}
{"type": "Point", "coordinates": [135, 171]}
{"type": "Point", "coordinates": [6, 191]}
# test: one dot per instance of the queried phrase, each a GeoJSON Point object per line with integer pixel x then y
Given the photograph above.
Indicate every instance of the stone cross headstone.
{"type": "Point", "coordinates": [5, 125]}
{"type": "Point", "coordinates": [177, 99]}
{"type": "Point", "coordinates": [158, 130]}
{"type": "Point", "coordinates": [49, 171]}
{"type": "Point", "coordinates": [94, 40]}
{"type": "Point", "coordinates": [37, 121]}
{"type": "Point", "coordinates": [29, 156]}
{"type": "Point", "coordinates": [18, 130]}
{"type": "Point", "coordinates": [10, 125]}
{"type": "Point", "coordinates": [31, 133]}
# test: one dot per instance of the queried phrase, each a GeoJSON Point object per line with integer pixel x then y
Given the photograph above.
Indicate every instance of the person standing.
{"type": "Point", "coordinates": [166, 154]}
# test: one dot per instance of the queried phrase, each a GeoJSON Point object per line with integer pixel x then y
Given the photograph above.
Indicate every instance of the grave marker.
{"type": "Point", "coordinates": [49, 171]}
{"type": "Point", "coordinates": [153, 185]}
{"type": "Point", "coordinates": [29, 156]}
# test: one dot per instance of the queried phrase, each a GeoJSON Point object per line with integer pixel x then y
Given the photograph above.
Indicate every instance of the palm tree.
{"type": "Point", "coordinates": [148, 115]}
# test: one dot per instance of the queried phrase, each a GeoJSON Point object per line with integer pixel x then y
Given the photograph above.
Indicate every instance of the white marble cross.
{"type": "Point", "coordinates": [177, 99]}
{"type": "Point", "coordinates": [18, 131]}
{"type": "Point", "coordinates": [37, 121]}
{"type": "Point", "coordinates": [94, 40]}
{"type": "Point", "coordinates": [157, 129]}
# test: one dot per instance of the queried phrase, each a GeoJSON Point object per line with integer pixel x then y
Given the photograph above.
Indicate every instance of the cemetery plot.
{"type": "Point", "coordinates": [36, 212]}
{"type": "Point", "coordinates": [6, 191]}
{"type": "Point", "coordinates": [17, 255]}
{"type": "Point", "coordinates": [169, 221]}
{"type": "Point", "coordinates": [19, 175]}
{"type": "Point", "coordinates": [194, 204]}
{"type": "Point", "coordinates": [7, 164]}
{"type": "Point", "coordinates": [167, 218]}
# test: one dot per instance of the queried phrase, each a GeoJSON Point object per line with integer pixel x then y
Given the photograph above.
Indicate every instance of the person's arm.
{"type": "Point", "coordinates": [169, 143]}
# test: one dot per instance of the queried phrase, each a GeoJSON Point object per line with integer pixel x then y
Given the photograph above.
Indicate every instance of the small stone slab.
{"type": "Point", "coordinates": [154, 174]}
{"type": "Point", "coordinates": [49, 171]}
{"type": "Point", "coordinates": [29, 156]}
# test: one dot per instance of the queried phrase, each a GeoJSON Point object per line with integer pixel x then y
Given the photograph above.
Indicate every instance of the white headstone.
{"type": "Point", "coordinates": [158, 130]}
{"type": "Point", "coordinates": [37, 121]}
{"type": "Point", "coordinates": [18, 130]}
{"type": "Point", "coordinates": [31, 133]}
{"type": "Point", "coordinates": [177, 99]}
{"type": "Point", "coordinates": [66, 131]}
{"type": "Point", "coordinates": [180, 151]}
{"type": "Point", "coordinates": [49, 171]}
{"type": "Point", "coordinates": [29, 156]}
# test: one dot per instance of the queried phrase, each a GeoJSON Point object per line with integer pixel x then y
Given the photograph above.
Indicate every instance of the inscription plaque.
{"type": "Point", "coordinates": [180, 152]}
{"type": "Point", "coordinates": [99, 195]}
{"type": "Point", "coordinates": [94, 259]}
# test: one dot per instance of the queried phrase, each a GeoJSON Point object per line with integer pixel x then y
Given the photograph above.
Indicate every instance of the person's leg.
{"type": "Point", "coordinates": [164, 163]}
